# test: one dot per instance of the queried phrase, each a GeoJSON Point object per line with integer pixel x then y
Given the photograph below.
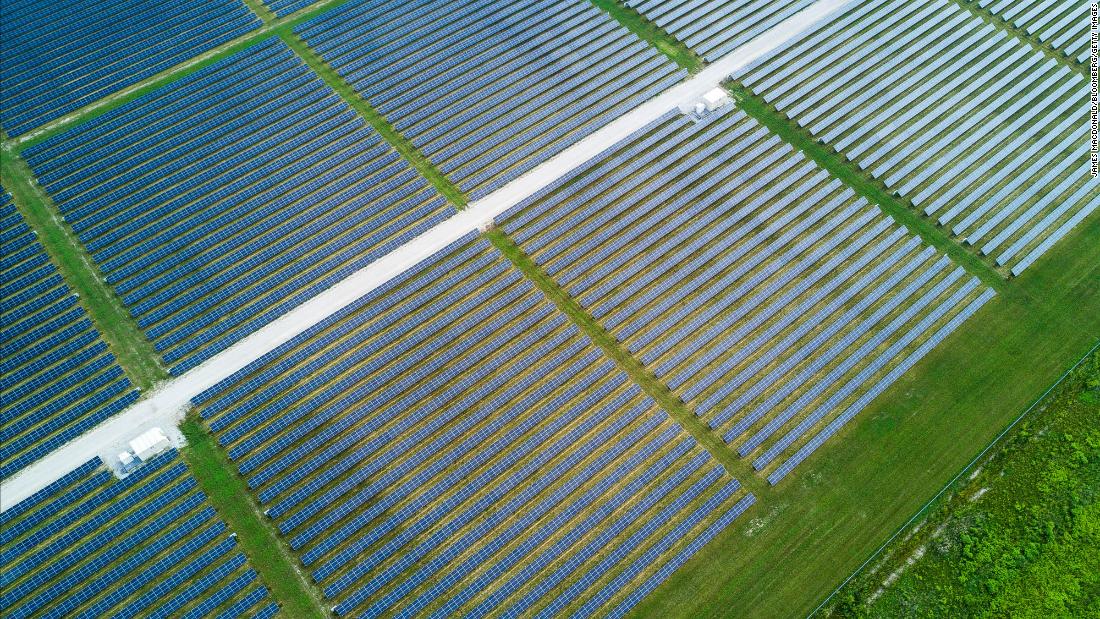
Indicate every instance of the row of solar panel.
{"type": "Point", "coordinates": [150, 544]}
{"type": "Point", "coordinates": [387, 474]}
{"type": "Point", "coordinates": [282, 8]}
{"type": "Point", "coordinates": [489, 89]}
{"type": "Point", "coordinates": [763, 292]}
{"type": "Point", "coordinates": [424, 449]}
{"type": "Point", "coordinates": [551, 505]}
{"type": "Point", "coordinates": [424, 431]}
{"type": "Point", "coordinates": [714, 29]}
{"type": "Point", "coordinates": [217, 403]}
{"type": "Point", "coordinates": [419, 458]}
{"type": "Point", "coordinates": [1063, 24]}
{"type": "Point", "coordinates": [584, 528]}
{"type": "Point", "coordinates": [57, 375]}
{"type": "Point", "coordinates": [983, 132]}
{"type": "Point", "coordinates": [57, 60]}
{"type": "Point", "coordinates": [222, 200]}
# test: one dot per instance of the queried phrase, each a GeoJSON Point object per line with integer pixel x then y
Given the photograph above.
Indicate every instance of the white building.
{"type": "Point", "coordinates": [150, 444]}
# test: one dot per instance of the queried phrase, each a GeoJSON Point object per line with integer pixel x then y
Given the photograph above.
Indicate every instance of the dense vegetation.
{"type": "Point", "coordinates": [1019, 539]}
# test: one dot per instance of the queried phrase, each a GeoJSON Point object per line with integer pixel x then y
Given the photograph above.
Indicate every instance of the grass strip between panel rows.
{"type": "Point", "coordinates": [643, 377]}
{"type": "Point", "coordinates": [1045, 47]}
{"type": "Point", "coordinates": [265, 14]}
{"type": "Point", "coordinates": [127, 342]}
{"type": "Point", "coordinates": [411, 154]}
{"type": "Point", "coordinates": [864, 184]}
{"type": "Point", "coordinates": [653, 34]}
{"type": "Point", "coordinates": [268, 554]}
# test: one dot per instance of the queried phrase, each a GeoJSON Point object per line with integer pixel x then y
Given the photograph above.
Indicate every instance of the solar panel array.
{"type": "Point", "coordinates": [219, 202]}
{"type": "Point", "coordinates": [487, 89]}
{"type": "Point", "coordinates": [978, 129]}
{"type": "Point", "coordinates": [715, 28]}
{"type": "Point", "coordinates": [767, 295]}
{"type": "Point", "coordinates": [451, 444]}
{"type": "Point", "coordinates": [62, 55]}
{"type": "Point", "coordinates": [58, 378]}
{"type": "Point", "coordinates": [149, 545]}
{"type": "Point", "coordinates": [282, 8]}
{"type": "Point", "coordinates": [1064, 24]}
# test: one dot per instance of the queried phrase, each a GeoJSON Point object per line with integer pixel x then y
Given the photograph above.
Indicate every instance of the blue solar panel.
{"type": "Point", "coordinates": [148, 545]}
{"type": "Point", "coordinates": [1063, 24]}
{"type": "Point", "coordinates": [57, 375]}
{"type": "Point", "coordinates": [757, 287]}
{"type": "Point", "coordinates": [714, 29]}
{"type": "Point", "coordinates": [489, 89]}
{"type": "Point", "coordinates": [79, 51]}
{"type": "Point", "coordinates": [282, 8]}
{"type": "Point", "coordinates": [1006, 178]}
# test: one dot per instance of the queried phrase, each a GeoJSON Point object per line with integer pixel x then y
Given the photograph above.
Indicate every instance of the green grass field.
{"type": "Point", "coordinates": [1017, 537]}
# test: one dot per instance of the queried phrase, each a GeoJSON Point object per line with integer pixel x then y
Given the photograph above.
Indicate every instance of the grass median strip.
{"type": "Point", "coordinates": [268, 554]}
{"type": "Point", "coordinates": [653, 34]}
{"type": "Point", "coordinates": [864, 184]}
{"type": "Point", "coordinates": [133, 351]}
{"type": "Point", "coordinates": [735, 466]}
{"type": "Point", "coordinates": [265, 14]}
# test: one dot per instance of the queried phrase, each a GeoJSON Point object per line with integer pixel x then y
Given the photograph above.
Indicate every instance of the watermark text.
{"type": "Point", "coordinates": [1095, 127]}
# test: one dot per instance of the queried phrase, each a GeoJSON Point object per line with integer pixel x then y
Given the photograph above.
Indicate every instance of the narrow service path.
{"type": "Point", "coordinates": [166, 406]}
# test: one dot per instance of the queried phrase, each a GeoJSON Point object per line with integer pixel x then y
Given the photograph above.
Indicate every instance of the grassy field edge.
{"type": "Point", "coordinates": [1014, 534]}
{"type": "Point", "coordinates": [938, 501]}
{"type": "Point", "coordinates": [268, 554]}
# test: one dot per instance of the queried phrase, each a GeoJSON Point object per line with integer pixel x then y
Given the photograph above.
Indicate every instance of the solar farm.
{"type": "Point", "coordinates": [776, 306]}
{"type": "Point", "coordinates": [565, 69]}
{"type": "Point", "coordinates": [149, 544]}
{"type": "Point", "coordinates": [1063, 25]}
{"type": "Point", "coordinates": [59, 377]}
{"type": "Point", "coordinates": [1011, 203]}
{"type": "Point", "coordinates": [353, 308]}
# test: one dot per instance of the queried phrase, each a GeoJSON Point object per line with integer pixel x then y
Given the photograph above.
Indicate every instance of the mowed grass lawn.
{"type": "Point", "coordinates": [810, 532]}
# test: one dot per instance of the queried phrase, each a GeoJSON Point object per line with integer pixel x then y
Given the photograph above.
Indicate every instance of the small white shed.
{"type": "Point", "coordinates": [715, 98]}
{"type": "Point", "coordinates": [150, 444]}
